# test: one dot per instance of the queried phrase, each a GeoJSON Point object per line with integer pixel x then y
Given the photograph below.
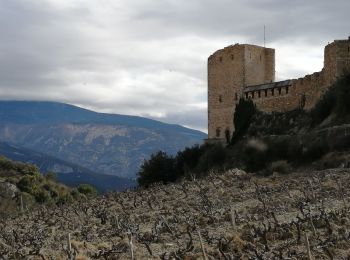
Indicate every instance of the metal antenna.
{"type": "Point", "coordinates": [264, 36]}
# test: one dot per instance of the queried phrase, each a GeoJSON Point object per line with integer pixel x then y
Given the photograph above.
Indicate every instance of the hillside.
{"type": "Point", "coordinates": [23, 187]}
{"type": "Point", "coordinates": [103, 143]}
{"type": "Point", "coordinates": [235, 215]}
{"type": "Point", "coordinates": [67, 173]}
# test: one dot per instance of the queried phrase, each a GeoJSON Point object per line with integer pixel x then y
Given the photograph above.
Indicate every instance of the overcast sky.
{"type": "Point", "coordinates": [148, 57]}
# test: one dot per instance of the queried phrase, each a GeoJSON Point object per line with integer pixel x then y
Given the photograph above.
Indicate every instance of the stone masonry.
{"type": "Point", "coordinates": [248, 71]}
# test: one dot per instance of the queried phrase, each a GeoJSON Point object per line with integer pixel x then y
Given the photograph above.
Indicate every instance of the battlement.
{"type": "Point", "coordinates": [248, 71]}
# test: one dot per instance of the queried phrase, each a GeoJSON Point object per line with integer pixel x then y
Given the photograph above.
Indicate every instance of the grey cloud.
{"type": "Point", "coordinates": [147, 57]}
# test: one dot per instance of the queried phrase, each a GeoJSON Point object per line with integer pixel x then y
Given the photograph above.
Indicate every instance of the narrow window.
{"type": "Point", "coordinates": [265, 92]}
{"type": "Point", "coordinates": [349, 49]}
{"type": "Point", "coordinates": [272, 92]}
{"type": "Point", "coordinates": [279, 91]}
{"type": "Point", "coordinates": [227, 135]}
{"type": "Point", "coordinates": [287, 90]}
{"type": "Point", "coordinates": [246, 95]}
{"type": "Point", "coordinates": [218, 132]}
{"type": "Point", "coordinates": [220, 59]}
{"type": "Point", "coordinates": [232, 57]}
{"type": "Point", "coordinates": [220, 98]}
{"type": "Point", "coordinates": [253, 95]}
{"type": "Point", "coordinates": [259, 94]}
{"type": "Point", "coordinates": [236, 96]}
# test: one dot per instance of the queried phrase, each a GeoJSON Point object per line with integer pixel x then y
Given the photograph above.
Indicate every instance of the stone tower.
{"type": "Point", "coordinates": [229, 71]}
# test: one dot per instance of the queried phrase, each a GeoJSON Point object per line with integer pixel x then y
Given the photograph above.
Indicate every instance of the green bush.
{"type": "Point", "coordinates": [42, 196]}
{"type": "Point", "coordinates": [335, 101]}
{"type": "Point", "coordinates": [244, 112]}
{"type": "Point", "coordinates": [214, 157]}
{"type": "Point", "coordinates": [159, 168]}
{"type": "Point", "coordinates": [187, 160]}
{"type": "Point", "coordinates": [87, 189]}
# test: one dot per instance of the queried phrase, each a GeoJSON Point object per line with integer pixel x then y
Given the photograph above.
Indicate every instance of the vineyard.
{"type": "Point", "coordinates": [233, 215]}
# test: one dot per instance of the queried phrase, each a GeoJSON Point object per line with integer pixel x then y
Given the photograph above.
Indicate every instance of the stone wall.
{"type": "Point", "coordinates": [304, 92]}
{"type": "Point", "coordinates": [249, 71]}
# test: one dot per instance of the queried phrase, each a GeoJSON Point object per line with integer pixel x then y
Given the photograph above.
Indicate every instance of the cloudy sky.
{"type": "Point", "coordinates": [148, 57]}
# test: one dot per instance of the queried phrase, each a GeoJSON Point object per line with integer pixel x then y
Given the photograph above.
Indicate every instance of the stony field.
{"type": "Point", "coordinates": [228, 216]}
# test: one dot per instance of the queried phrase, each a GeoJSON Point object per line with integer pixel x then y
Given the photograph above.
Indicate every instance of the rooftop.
{"type": "Point", "coordinates": [278, 84]}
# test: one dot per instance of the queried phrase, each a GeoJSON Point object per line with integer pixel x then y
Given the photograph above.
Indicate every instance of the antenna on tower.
{"type": "Point", "coordinates": [264, 36]}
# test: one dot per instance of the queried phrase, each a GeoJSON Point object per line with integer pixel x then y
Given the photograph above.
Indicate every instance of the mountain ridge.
{"type": "Point", "coordinates": [104, 143]}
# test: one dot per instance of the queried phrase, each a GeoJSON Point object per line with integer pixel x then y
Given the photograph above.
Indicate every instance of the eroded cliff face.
{"type": "Point", "coordinates": [110, 149]}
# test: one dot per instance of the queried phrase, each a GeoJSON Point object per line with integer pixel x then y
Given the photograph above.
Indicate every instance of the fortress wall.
{"type": "Point", "coordinates": [302, 92]}
{"type": "Point", "coordinates": [246, 70]}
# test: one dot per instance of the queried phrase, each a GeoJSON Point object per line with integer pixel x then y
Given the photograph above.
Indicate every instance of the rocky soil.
{"type": "Point", "coordinates": [233, 215]}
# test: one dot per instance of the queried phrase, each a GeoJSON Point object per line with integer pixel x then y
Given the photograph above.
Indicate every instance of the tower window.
{"type": "Point", "coordinates": [220, 59]}
{"type": "Point", "coordinates": [279, 91]}
{"type": "Point", "coordinates": [246, 95]}
{"type": "Point", "coordinates": [265, 92]}
{"type": "Point", "coordinates": [259, 94]}
{"type": "Point", "coordinates": [236, 96]}
{"type": "Point", "coordinates": [272, 92]}
{"type": "Point", "coordinates": [253, 95]}
{"type": "Point", "coordinates": [218, 132]}
{"type": "Point", "coordinates": [287, 90]}
{"type": "Point", "coordinates": [220, 98]}
{"type": "Point", "coordinates": [232, 57]}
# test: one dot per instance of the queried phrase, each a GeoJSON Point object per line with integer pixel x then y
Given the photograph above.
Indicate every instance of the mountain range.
{"type": "Point", "coordinates": [106, 144]}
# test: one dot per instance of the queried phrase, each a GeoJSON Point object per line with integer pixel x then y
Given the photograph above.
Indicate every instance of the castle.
{"type": "Point", "coordinates": [248, 71]}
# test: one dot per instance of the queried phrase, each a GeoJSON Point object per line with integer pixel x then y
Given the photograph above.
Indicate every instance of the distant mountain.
{"type": "Point", "coordinates": [103, 143]}
{"type": "Point", "coordinates": [67, 173]}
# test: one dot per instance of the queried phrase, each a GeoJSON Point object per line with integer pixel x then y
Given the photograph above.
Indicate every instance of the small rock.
{"type": "Point", "coordinates": [8, 190]}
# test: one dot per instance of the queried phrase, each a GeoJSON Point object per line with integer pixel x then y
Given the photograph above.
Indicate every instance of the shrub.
{"type": "Point", "coordinates": [336, 100]}
{"type": "Point", "coordinates": [51, 176]}
{"type": "Point", "coordinates": [214, 157]}
{"type": "Point", "coordinates": [187, 160]}
{"type": "Point", "coordinates": [281, 167]}
{"type": "Point", "coordinates": [315, 149]}
{"type": "Point", "coordinates": [87, 189]}
{"type": "Point", "coordinates": [244, 112]}
{"type": "Point", "coordinates": [159, 168]}
{"type": "Point", "coordinates": [324, 107]}
{"type": "Point", "coordinates": [42, 196]}
{"type": "Point", "coordinates": [255, 155]}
